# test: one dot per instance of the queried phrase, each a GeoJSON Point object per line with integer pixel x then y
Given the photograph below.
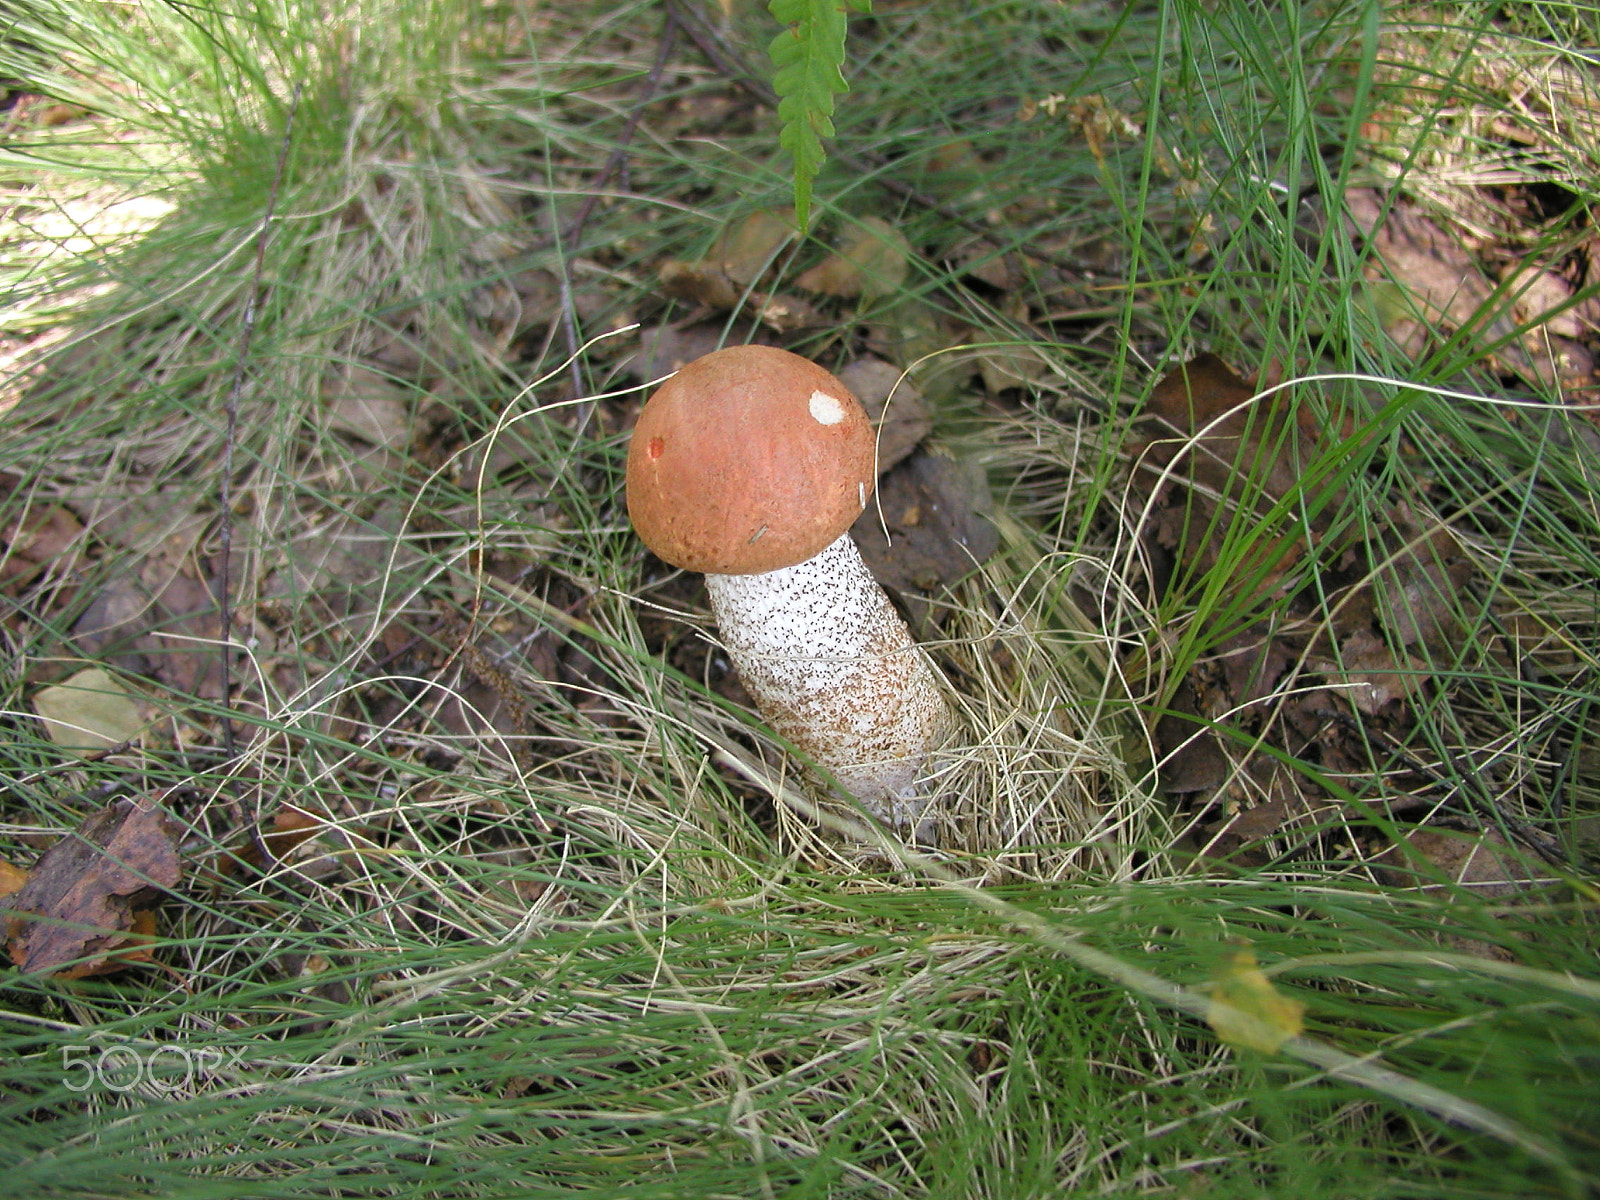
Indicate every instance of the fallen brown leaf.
{"type": "Point", "coordinates": [665, 348]}
{"type": "Point", "coordinates": [1437, 286]}
{"type": "Point", "coordinates": [747, 248]}
{"type": "Point", "coordinates": [707, 285]}
{"type": "Point", "coordinates": [785, 314]}
{"type": "Point", "coordinates": [872, 261]}
{"type": "Point", "coordinates": [724, 280]}
{"type": "Point", "coordinates": [167, 522]}
{"type": "Point", "coordinates": [702, 283]}
{"type": "Point", "coordinates": [1478, 860]}
{"type": "Point", "coordinates": [983, 260]}
{"type": "Point", "coordinates": [78, 914]}
{"type": "Point", "coordinates": [1252, 662]}
{"type": "Point", "coordinates": [895, 407]}
{"type": "Point", "coordinates": [1418, 589]}
{"type": "Point", "coordinates": [933, 507]}
{"type": "Point", "coordinates": [369, 405]}
{"type": "Point", "coordinates": [1005, 367]}
{"type": "Point", "coordinates": [1204, 399]}
{"type": "Point", "coordinates": [1370, 675]}
{"type": "Point", "coordinates": [1428, 285]}
{"type": "Point", "coordinates": [1539, 295]}
{"type": "Point", "coordinates": [913, 331]}
{"type": "Point", "coordinates": [115, 625]}
{"type": "Point", "coordinates": [43, 537]}
{"type": "Point", "coordinates": [291, 827]}
{"type": "Point", "coordinates": [951, 169]}
{"type": "Point", "coordinates": [1231, 461]}
{"type": "Point", "coordinates": [1191, 759]}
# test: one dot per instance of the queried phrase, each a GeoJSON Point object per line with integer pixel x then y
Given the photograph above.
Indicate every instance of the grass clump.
{"type": "Point", "coordinates": [492, 881]}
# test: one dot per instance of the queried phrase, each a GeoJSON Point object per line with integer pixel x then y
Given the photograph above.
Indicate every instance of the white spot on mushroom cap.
{"type": "Point", "coordinates": [826, 409]}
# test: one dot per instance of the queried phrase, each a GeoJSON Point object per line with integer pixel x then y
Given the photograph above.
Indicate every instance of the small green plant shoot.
{"type": "Point", "coordinates": [807, 57]}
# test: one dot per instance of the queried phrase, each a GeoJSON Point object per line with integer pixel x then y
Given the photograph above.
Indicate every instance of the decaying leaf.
{"type": "Point", "coordinates": [725, 279]}
{"type": "Point", "coordinates": [290, 829]}
{"type": "Point", "coordinates": [896, 408]}
{"type": "Point", "coordinates": [1205, 401]}
{"type": "Point", "coordinates": [785, 314]}
{"type": "Point", "coordinates": [982, 259]}
{"type": "Point", "coordinates": [368, 405]}
{"type": "Point", "coordinates": [1538, 295]}
{"type": "Point", "coordinates": [1369, 674]}
{"type": "Point", "coordinates": [1428, 285]}
{"type": "Point", "coordinates": [292, 826]}
{"type": "Point", "coordinates": [160, 617]}
{"type": "Point", "coordinates": [88, 711]}
{"type": "Point", "coordinates": [748, 248]}
{"type": "Point", "coordinates": [1435, 286]}
{"type": "Point", "coordinates": [1246, 1011]}
{"type": "Point", "coordinates": [1480, 861]}
{"type": "Point", "coordinates": [872, 261]}
{"type": "Point", "coordinates": [702, 283]}
{"type": "Point", "coordinates": [1191, 755]}
{"type": "Point", "coordinates": [1418, 588]}
{"type": "Point", "coordinates": [1005, 367]}
{"type": "Point", "coordinates": [665, 348]}
{"type": "Point", "coordinates": [113, 626]}
{"type": "Point", "coordinates": [951, 169]}
{"type": "Point", "coordinates": [1237, 458]}
{"type": "Point", "coordinates": [1280, 812]}
{"type": "Point", "coordinates": [160, 621]}
{"type": "Point", "coordinates": [335, 554]}
{"type": "Point", "coordinates": [167, 522]}
{"type": "Point", "coordinates": [1252, 662]}
{"type": "Point", "coordinates": [42, 537]}
{"type": "Point", "coordinates": [933, 507]}
{"type": "Point", "coordinates": [78, 914]}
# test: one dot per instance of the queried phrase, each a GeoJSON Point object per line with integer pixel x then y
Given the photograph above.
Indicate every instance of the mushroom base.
{"type": "Point", "coordinates": [833, 668]}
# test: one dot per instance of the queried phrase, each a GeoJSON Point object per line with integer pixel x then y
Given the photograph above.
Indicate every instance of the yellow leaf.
{"type": "Point", "coordinates": [11, 878]}
{"type": "Point", "coordinates": [1246, 1011]}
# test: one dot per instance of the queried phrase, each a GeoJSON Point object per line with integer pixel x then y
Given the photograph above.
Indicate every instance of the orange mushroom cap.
{"type": "Point", "coordinates": [747, 460]}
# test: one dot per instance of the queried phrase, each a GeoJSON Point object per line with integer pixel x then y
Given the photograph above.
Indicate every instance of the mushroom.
{"type": "Point", "coordinates": [750, 465]}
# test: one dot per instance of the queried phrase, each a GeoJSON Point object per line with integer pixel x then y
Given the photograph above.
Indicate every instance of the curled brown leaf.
{"type": "Point", "coordinates": [80, 911]}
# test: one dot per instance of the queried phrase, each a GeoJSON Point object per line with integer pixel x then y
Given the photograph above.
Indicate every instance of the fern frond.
{"type": "Point", "coordinates": [807, 57]}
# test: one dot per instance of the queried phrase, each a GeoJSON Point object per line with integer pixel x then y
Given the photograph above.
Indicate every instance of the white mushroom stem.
{"type": "Point", "coordinates": [833, 668]}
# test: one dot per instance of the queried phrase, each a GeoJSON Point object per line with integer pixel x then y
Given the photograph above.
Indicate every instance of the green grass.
{"type": "Point", "coordinates": [568, 924]}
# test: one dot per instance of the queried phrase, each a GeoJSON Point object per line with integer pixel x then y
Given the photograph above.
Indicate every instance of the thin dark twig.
{"type": "Point", "coordinates": [568, 239]}
{"type": "Point", "coordinates": [617, 160]}
{"type": "Point", "coordinates": [1468, 782]}
{"type": "Point", "coordinates": [231, 410]}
